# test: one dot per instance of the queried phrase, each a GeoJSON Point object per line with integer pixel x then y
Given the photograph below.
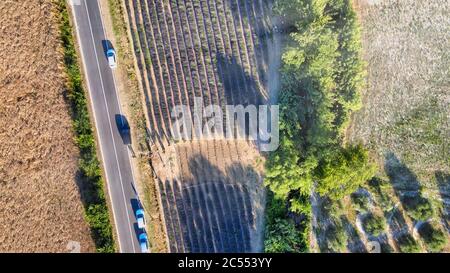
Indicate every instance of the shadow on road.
{"type": "Point", "coordinates": [124, 129]}
{"type": "Point", "coordinates": [106, 46]}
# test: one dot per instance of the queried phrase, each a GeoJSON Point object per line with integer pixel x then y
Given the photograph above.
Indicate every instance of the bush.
{"type": "Point", "coordinates": [418, 208]}
{"type": "Point", "coordinates": [283, 237]}
{"type": "Point", "coordinates": [374, 224]}
{"type": "Point", "coordinates": [360, 202]}
{"type": "Point", "coordinates": [434, 239]}
{"type": "Point", "coordinates": [380, 188]}
{"type": "Point", "coordinates": [343, 172]}
{"type": "Point", "coordinates": [281, 234]}
{"type": "Point", "coordinates": [336, 238]}
{"type": "Point", "coordinates": [407, 244]}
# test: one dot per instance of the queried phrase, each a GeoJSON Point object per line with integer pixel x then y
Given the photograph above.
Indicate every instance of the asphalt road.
{"type": "Point", "coordinates": [106, 108]}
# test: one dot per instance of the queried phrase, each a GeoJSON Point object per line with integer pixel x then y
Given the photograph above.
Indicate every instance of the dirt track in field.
{"type": "Point", "coordinates": [40, 206]}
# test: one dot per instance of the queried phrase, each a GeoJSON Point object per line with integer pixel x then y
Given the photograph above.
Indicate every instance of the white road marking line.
{"type": "Point", "coordinates": [110, 126]}
{"type": "Point", "coordinates": [95, 118]}
{"type": "Point", "coordinates": [120, 107]}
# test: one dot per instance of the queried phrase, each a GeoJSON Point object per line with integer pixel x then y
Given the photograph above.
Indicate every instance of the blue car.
{"type": "Point", "coordinates": [140, 218]}
{"type": "Point", "coordinates": [143, 242]}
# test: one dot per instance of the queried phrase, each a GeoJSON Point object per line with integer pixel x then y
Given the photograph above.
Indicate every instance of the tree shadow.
{"type": "Point", "coordinates": [396, 221]}
{"type": "Point", "coordinates": [354, 243]}
{"type": "Point", "coordinates": [407, 188]}
{"type": "Point", "coordinates": [239, 86]}
{"type": "Point", "coordinates": [400, 176]}
{"type": "Point", "coordinates": [211, 211]}
{"type": "Point", "coordinates": [136, 205]}
{"type": "Point", "coordinates": [258, 15]}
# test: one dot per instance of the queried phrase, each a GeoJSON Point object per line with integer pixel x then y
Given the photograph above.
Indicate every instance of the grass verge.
{"type": "Point", "coordinates": [90, 175]}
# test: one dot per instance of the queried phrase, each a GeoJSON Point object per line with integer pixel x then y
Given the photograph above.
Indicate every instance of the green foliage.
{"type": "Point", "coordinates": [300, 204]}
{"type": "Point", "coordinates": [275, 208]}
{"type": "Point", "coordinates": [322, 76]}
{"type": "Point", "coordinates": [283, 237]}
{"type": "Point", "coordinates": [374, 224]}
{"type": "Point", "coordinates": [281, 233]}
{"type": "Point", "coordinates": [360, 202]}
{"type": "Point", "coordinates": [332, 208]}
{"type": "Point", "coordinates": [285, 174]}
{"type": "Point", "coordinates": [343, 172]}
{"type": "Point", "coordinates": [98, 219]}
{"type": "Point", "coordinates": [380, 188]}
{"type": "Point", "coordinates": [407, 244]}
{"type": "Point", "coordinates": [336, 238]}
{"type": "Point", "coordinates": [96, 211]}
{"type": "Point", "coordinates": [435, 239]}
{"type": "Point", "coordinates": [418, 207]}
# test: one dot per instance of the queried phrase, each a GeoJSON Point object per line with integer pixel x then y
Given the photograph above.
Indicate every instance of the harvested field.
{"type": "Point", "coordinates": [212, 201]}
{"type": "Point", "coordinates": [406, 115]}
{"type": "Point", "coordinates": [212, 198]}
{"type": "Point", "coordinates": [40, 204]}
{"type": "Point", "coordinates": [407, 107]}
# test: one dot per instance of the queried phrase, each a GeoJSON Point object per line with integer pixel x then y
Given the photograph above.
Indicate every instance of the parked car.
{"type": "Point", "coordinates": [143, 242]}
{"type": "Point", "coordinates": [140, 218]}
{"type": "Point", "coordinates": [112, 60]}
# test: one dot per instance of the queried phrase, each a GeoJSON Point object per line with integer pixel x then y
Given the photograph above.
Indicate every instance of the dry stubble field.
{"type": "Point", "coordinates": [40, 206]}
{"type": "Point", "coordinates": [406, 115]}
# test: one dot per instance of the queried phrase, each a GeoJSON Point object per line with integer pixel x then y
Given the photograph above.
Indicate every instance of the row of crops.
{"type": "Point", "coordinates": [208, 211]}
{"type": "Point", "coordinates": [216, 50]}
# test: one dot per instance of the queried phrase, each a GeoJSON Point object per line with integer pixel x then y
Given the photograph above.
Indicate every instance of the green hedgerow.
{"type": "Point", "coordinates": [283, 237]}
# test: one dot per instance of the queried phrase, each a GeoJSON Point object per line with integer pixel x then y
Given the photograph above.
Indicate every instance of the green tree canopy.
{"type": "Point", "coordinates": [343, 172]}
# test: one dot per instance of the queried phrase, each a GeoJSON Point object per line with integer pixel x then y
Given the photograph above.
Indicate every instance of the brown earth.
{"type": "Point", "coordinates": [40, 205]}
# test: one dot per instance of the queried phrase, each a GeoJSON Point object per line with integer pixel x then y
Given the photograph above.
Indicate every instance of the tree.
{"type": "Point", "coordinates": [374, 224]}
{"type": "Point", "coordinates": [321, 78]}
{"type": "Point", "coordinates": [360, 201]}
{"type": "Point", "coordinates": [407, 244]}
{"type": "Point", "coordinates": [434, 238]}
{"type": "Point", "coordinates": [343, 172]}
{"type": "Point", "coordinates": [418, 207]}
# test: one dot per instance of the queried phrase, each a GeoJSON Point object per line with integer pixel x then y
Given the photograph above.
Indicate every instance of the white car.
{"type": "Point", "coordinates": [112, 60]}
